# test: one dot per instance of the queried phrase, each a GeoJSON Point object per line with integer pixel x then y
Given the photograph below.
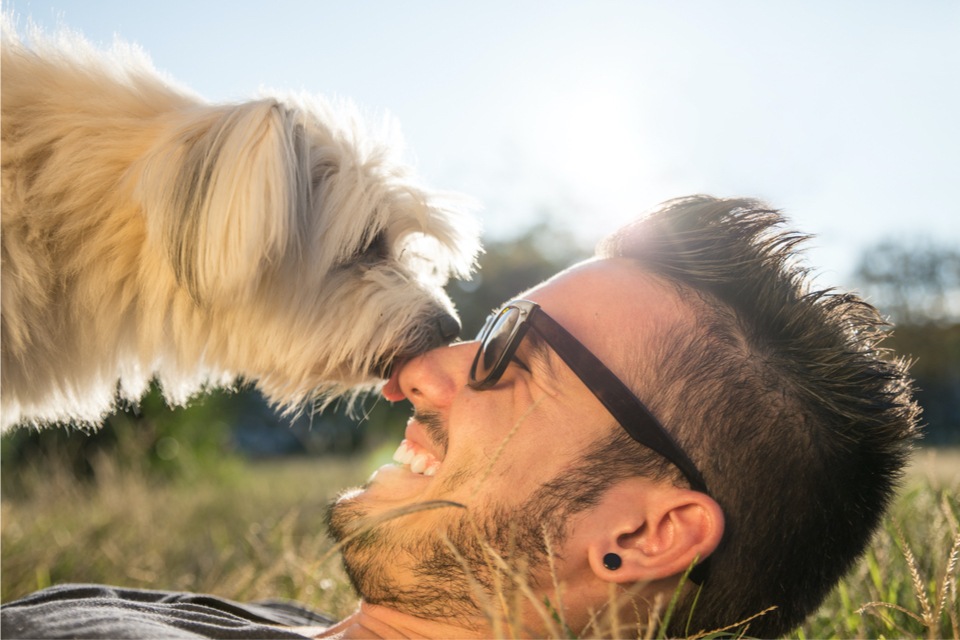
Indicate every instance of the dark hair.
{"type": "Point", "coordinates": [780, 396]}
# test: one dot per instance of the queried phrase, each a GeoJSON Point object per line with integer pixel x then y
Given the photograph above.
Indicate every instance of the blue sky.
{"type": "Point", "coordinates": [844, 114]}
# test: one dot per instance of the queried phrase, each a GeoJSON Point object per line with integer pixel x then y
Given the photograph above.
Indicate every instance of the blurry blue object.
{"type": "Point", "coordinates": [257, 430]}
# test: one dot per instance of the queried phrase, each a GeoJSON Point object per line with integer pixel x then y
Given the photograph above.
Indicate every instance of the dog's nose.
{"type": "Point", "coordinates": [449, 327]}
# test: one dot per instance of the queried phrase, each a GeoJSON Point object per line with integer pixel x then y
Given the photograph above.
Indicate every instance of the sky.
{"type": "Point", "coordinates": [842, 114]}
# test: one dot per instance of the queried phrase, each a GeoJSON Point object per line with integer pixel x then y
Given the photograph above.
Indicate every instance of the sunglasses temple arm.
{"type": "Point", "coordinates": [643, 426]}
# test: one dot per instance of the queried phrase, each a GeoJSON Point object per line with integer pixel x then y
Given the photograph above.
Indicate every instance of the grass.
{"type": "Point", "coordinates": [251, 531]}
{"type": "Point", "coordinates": [255, 530]}
{"type": "Point", "coordinates": [906, 584]}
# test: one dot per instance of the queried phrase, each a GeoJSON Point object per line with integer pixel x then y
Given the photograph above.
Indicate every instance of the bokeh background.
{"type": "Point", "coordinates": [564, 119]}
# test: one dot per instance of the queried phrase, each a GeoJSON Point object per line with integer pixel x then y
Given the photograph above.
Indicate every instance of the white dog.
{"type": "Point", "coordinates": [148, 233]}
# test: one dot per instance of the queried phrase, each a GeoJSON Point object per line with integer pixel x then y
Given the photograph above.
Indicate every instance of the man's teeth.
{"type": "Point", "coordinates": [419, 462]}
{"type": "Point", "coordinates": [404, 454]}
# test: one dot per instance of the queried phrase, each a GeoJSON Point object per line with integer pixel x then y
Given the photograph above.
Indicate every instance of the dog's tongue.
{"type": "Point", "coordinates": [391, 390]}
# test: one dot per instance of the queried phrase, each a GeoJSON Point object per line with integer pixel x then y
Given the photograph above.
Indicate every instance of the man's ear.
{"type": "Point", "coordinates": [658, 530]}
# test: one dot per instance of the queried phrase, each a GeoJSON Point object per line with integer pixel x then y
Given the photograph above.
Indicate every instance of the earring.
{"type": "Point", "coordinates": [612, 561]}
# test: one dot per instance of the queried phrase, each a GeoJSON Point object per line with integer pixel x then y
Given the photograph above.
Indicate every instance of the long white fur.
{"type": "Point", "coordinates": [146, 232]}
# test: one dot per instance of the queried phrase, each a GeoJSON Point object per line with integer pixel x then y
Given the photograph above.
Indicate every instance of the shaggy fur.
{"type": "Point", "coordinates": [148, 233]}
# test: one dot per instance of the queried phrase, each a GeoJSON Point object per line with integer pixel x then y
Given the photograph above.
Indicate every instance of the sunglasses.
{"type": "Point", "coordinates": [502, 335]}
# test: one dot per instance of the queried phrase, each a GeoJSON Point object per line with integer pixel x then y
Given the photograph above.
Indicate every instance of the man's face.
{"type": "Point", "coordinates": [492, 451]}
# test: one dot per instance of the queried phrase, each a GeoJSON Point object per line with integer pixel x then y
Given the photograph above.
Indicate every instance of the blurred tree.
{"type": "Point", "coordinates": [510, 267]}
{"type": "Point", "coordinates": [935, 351]}
{"type": "Point", "coordinates": [178, 443]}
{"type": "Point", "coordinates": [915, 281]}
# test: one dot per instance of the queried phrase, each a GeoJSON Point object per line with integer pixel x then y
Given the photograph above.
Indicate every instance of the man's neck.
{"type": "Point", "coordinates": [375, 621]}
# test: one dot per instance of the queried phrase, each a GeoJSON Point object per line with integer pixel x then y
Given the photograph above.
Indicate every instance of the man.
{"type": "Point", "coordinates": [794, 427]}
{"type": "Point", "coordinates": [678, 416]}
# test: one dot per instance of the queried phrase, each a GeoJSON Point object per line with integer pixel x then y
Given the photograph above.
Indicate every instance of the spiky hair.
{"type": "Point", "coordinates": [798, 422]}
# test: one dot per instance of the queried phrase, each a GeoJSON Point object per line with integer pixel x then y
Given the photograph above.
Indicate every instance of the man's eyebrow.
{"type": "Point", "coordinates": [540, 352]}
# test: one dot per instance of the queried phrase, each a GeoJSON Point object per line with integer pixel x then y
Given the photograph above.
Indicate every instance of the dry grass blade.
{"type": "Point", "coordinates": [944, 586]}
{"type": "Point", "coordinates": [705, 634]}
{"type": "Point", "coordinates": [510, 594]}
{"type": "Point", "coordinates": [953, 611]}
{"type": "Point", "coordinates": [520, 580]}
{"type": "Point", "coordinates": [594, 627]}
{"type": "Point", "coordinates": [495, 577]}
{"type": "Point", "coordinates": [613, 611]}
{"type": "Point", "coordinates": [503, 445]}
{"type": "Point", "coordinates": [949, 585]}
{"type": "Point", "coordinates": [486, 605]}
{"type": "Point", "coordinates": [499, 589]}
{"type": "Point", "coordinates": [371, 523]}
{"type": "Point", "coordinates": [888, 605]}
{"type": "Point", "coordinates": [872, 605]}
{"type": "Point", "coordinates": [915, 574]}
{"type": "Point", "coordinates": [558, 593]}
{"type": "Point", "coordinates": [653, 619]}
{"type": "Point", "coordinates": [592, 623]}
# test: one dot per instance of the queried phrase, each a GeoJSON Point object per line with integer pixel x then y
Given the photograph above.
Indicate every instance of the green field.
{"type": "Point", "coordinates": [249, 530]}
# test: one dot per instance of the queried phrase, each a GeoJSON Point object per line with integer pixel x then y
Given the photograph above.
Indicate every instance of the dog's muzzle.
{"type": "Point", "coordinates": [446, 328]}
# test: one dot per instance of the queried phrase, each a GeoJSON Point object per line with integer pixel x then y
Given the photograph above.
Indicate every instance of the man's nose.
{"type": "Point", "coordinates": [434, 377]}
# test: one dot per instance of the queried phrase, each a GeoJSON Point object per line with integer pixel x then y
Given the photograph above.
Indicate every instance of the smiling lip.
{"type": "Point", "coordinates": [416, 434]}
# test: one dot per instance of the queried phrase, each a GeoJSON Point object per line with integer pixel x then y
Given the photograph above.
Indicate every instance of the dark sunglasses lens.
{"type": "Point", "coordinates": [495, 342]}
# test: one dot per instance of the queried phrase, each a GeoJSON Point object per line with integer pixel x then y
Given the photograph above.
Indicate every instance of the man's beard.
{"type": "Point", "coordinates": [436, 584]}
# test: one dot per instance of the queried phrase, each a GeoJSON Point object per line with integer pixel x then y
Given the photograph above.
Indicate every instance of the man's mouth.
{"type": "Point", "coordinates": [419, 460]}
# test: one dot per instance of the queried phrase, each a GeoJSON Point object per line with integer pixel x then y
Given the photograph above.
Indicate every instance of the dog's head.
{"type": "Point", "coordinates": [300, 243]}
